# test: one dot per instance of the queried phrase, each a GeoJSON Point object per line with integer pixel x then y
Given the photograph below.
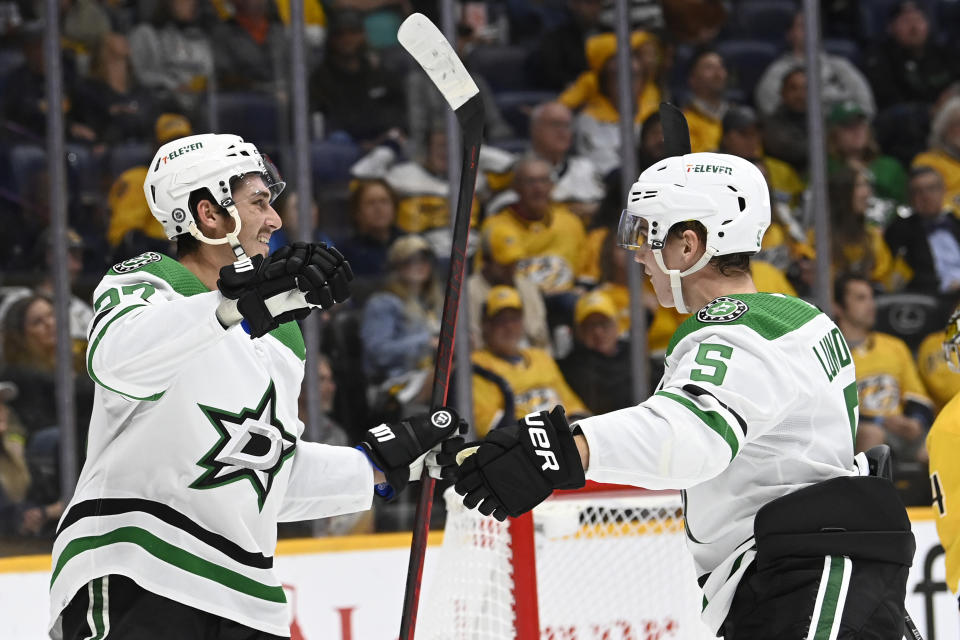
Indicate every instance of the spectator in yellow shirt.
{"type": "Point", "coordinates": [133, 229]}
{"type": "Point", "coordinates": [551, 237]}
{"type": "Point", "coordinates": [894, 406]}
{"type": "Point", "coordinates": [510, 381]}
{"type": "Point", "coordinates": [944, 152]}
{"type": "Point", "coordinates": [707, 81]}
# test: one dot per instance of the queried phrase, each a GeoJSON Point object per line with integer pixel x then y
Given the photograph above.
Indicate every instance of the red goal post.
{"type": "Point", "coordinates": [605, 562]}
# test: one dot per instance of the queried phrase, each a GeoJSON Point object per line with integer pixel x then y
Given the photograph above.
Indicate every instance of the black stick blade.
{"type": "Point", "coordinates": [676, 133]}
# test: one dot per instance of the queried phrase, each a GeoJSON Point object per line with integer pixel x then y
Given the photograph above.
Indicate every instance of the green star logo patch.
{"type": "Point", "coordinates": [722, 310]}
{"type": "Point", "coordinates": [253, 445]}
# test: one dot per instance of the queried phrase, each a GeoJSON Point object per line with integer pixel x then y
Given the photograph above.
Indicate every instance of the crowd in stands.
{"type": "Point", "coordinates": [549, 306]}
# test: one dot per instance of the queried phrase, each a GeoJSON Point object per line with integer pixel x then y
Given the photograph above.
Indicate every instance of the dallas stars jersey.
{"type": "Point", "coordinates": [943, 443]}
{"type": "Point", "coordinates": [758, 399]}
{"type": "Point", "coordinates": [194, 452]}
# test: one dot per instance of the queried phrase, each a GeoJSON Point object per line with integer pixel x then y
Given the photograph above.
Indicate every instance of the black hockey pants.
{"type": "Point", "coordinates": [832, 563]}
{"type": "Point", "coordinates": [116, 607]}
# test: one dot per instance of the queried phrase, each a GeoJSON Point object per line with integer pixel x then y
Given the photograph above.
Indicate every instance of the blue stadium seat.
{"type": "Point", "coordinates": [843, 47]}
{"type": "Point", "coordinates": [331, 161]}
{"type": "Point", "coordinates": [10, 59]}
{"type": "Point", "coordinates": [516, 107]}
{"type": "Point", "coordinates": [501, 66]}
{"type": "Point", "coordinates": [27, 162]}
{"type": "Point", "coordinates": [252, 116]}
{"type": "Point", "coordinates": [767, 20]}
{"type": "Point", "coordinates": [746, 61]}
{"type": "Point", "coordinates": [125, 156]}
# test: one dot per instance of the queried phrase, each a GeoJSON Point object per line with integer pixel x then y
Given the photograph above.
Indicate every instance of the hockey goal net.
{"type": "Point", "coordinates": [602, 563]}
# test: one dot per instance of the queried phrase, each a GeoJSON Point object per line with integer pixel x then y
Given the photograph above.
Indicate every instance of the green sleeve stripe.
{"type": "Point", "coordinates": [173, 555]}
{"type": "Point", "coordinates": [711, 418]}
{"type": "Point", "coordinates": [96, 343]}
{"type": "Point", "coordinates": [290, 336]}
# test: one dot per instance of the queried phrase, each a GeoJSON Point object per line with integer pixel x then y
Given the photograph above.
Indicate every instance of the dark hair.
{"type": "Point", "coordinates": [842, 282]}
{"type": "Point", "coordinates": [727, 265]}
{"type": "Point", "coordinates": [923, 170]}
{"type": "Point", "coordinates": [361, 186]}
{"type": "Point", "coordinates": [792, 71]}
{"type": "Point", "coordinates": [698, 55]}
{"type": "Point", "coordinates": [15, 350]}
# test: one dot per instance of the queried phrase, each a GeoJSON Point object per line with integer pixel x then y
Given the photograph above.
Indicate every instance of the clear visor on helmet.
{"type": "Point", "coordinates": [632, 232]}
{"type": "Point", "coordinates": [264, 185]}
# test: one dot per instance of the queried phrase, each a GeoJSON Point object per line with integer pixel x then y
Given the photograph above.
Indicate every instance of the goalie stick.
{"type": "Point", "coordinates": [433, 52]}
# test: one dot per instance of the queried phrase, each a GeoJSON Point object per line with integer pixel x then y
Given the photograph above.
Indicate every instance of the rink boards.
{"type": "Point", "coordinates": [351, 588]}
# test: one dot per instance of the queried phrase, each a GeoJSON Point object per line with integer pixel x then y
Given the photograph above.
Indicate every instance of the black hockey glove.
{"type": "Point", "coordinates": [323, 274]}
{"type": "Point", "coordinates": [516, 468]}
{"type": "Point", "coordinates": [262, 292]}
{"type": "Point", "coordinates": [400, 449]}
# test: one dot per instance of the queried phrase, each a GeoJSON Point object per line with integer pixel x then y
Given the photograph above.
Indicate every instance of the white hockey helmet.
{"type": "Point", "coordinates": [210, 161]}
{"type": "Point", "coordinates": [727, 194]}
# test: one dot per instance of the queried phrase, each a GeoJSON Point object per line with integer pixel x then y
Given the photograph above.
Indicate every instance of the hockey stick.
{"type": "Point", "coordinates": [430, 49]}
{"type": "Point", "coordinates": [676, 133]}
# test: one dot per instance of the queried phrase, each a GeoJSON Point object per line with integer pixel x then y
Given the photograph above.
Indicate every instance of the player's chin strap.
{"type": "Point", "coordinates": [230, 237]}
{"type": "Point", "coordinates": [676, 275]}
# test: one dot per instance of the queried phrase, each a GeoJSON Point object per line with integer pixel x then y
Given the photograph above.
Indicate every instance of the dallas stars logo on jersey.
{"type": "Point", "coordinates": [722, 309]}
{"type": "Point", "coordinates": [253, 445]}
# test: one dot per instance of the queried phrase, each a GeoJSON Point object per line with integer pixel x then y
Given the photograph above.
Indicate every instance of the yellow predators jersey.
{"type": "Point", "coordinates": [705, 130]}
{"type": "Point", "coordinates": [940, 381]}
{"type": "Point", "coordinates": [534, 383]}
{"type": "Point", "coordinates": [128, 208]}
{"type": "Point", "coordinates": [886, 376]}
{"type": "Point", "coordinates": [424, 199]}
{"type": "Point", "coordinates": [943, 443]}
{"type": "Point", "coordinates": [768, 279]}
{"type": "Point", "coordinates": [661, 328]}
{"type": "Point", "coordinates": [553, 248]}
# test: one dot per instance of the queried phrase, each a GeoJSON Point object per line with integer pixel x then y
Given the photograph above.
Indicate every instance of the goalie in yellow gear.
{"type": "Point", "coordinates": [943, 444]}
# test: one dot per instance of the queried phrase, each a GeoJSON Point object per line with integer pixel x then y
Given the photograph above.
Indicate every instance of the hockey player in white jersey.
{"type": "Point", "coordinates": [754, 419]}
{"type": "Point", "coordinates": [194, 450]}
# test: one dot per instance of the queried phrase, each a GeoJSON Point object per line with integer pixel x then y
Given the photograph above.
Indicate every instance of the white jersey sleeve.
{"type": "Point", "coordinates": [326, 481]}
{"type": "Point", "coordinates": [697, 422]}
{"type": "Point", "coordinates": [143, 330]}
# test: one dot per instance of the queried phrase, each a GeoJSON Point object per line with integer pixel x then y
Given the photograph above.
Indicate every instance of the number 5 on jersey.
{"type": "Point", "coordinates": [717, 368]}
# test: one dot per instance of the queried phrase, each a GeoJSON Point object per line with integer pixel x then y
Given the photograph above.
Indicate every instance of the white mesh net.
{"type": "Point", "coordinates": [609, 566]}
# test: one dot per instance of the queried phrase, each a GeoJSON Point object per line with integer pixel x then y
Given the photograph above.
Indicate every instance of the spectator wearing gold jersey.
{"type": "Point", "coordinates": [595, 95]}
{"type": "Point", "coordinates": [944, 152]}
{"type": "Point", "coordinates": [550, 236]}
{"type": "Point", "coordinates": [943, 445]}
{"type": "Point", "coordinates": [894, 406]}
{"type": "Point", "coordinates": [577, 182]}
{"type": "Point", "coordinates": [598, 369]}
{"type": "Point", "coordinates": [501, 252]}
{"type": "Point", "coordinates": [510, 381]}
{"type": "Point", "coordinates": [133, 229]}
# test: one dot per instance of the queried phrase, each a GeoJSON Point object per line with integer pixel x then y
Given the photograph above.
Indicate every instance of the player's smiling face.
{"type": "Point", "coordinates": [257, 217]}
